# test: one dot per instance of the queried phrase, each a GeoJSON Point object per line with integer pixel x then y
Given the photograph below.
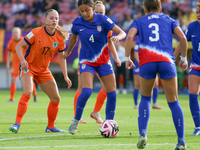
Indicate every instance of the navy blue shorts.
{"type": "Point", "coordinates": [102, 70]}
{"type": "Point", "coordinates": [194, 72]}
{"type": "Point", "coordinates": [166, 70]}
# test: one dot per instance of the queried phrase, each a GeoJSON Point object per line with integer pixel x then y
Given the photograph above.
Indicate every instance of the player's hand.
{"type": "Point", "coordinates": [183, 65]}
{"type": "Point", "coordinates": [24, 65]}
{"type": "Point", "coordinates": [114, 39]}
{"type": "Point", "coordinates": [130, 64]}
{"type": "Point", "coordinates": [118, 62]}
{"type": "Point", "coordinates": [69, 82]}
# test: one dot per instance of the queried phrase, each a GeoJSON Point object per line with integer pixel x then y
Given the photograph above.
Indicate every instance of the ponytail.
{"type": "Point", "coordinates": [64, 33]}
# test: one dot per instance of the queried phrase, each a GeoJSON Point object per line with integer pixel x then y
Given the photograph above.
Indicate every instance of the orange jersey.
{"type": "Point", "coordinates": [11, 47]}
{"type": "Point", "coordinates": [42, 48]}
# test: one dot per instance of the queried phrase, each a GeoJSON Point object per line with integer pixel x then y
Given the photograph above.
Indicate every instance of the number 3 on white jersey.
{"type": "Point", "coordinates": [91, 38]}
{"type": "Point", "coordinates": [156, 32]}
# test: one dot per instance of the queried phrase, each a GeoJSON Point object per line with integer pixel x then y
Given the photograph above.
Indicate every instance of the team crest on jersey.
{"type": "Point", "coordinates": [55, 44]}
{"type": "Point", "coordinates": [83, 66]}
{"type": "Point", "coordinates": [99, 28]}
{"type": "Point", "coordinates": [26, 71]}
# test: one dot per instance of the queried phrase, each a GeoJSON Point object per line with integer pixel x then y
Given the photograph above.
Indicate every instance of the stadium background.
{"type": "Point", "coordinates": [28, 14]}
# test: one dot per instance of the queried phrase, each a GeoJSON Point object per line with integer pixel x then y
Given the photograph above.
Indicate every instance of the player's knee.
{"type": "Point", "coordinates": [28, 92]}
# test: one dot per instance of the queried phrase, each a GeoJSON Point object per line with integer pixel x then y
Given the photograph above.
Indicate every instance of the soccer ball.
{"type": "Point", "coordinates": [109, 129]}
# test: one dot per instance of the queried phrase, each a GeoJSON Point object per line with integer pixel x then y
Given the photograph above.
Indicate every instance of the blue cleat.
{"type": "Point", "coordinates": [54, 130]}
{"type": "Point", "coordinates": [142, 141]}
{"type": "Point", "coordinates": [181, 146]}
{"type": "Point", "coordinates": [196, 132]}
{"type": "Point", "coordinates": [74, 126]}
{"type": "Point", "coordinates": [14, 128]}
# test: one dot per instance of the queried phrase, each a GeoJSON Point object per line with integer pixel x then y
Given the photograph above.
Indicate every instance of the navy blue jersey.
{"type": "Point", "coordinates": [192, 34]}
{"type": "Point", "coordinates": [155, 35]}
{"type": "Point", "coordinates": [93, 38]}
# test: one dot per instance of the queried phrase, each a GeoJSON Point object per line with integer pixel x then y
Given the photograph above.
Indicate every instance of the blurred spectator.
{"type": "Point", "coordinates": [112, 15]}
{"type": "Point", "coordinates": [72, 4]}
{"type": "Point", "coordinates": [174, 11]}
{"type": "Point", "coordinates": [18, 7]}
{"type": "Point", "coordinates": [21, 21]}
{"type": "Point", "coordinates": [5, 1]}
{"type": "Point", "coordinates": [2, 23]}
{"type": "Point", "coordinates": [67, 25]}
{"type": "Point", "coordinates": [127, 22]}
{"type": "Point", "coordinates": [182, 25]}
{"type": "Point", "coordinates": [109, 5]}
{"type": "Point", "coordinates": [135, 10]}
{"type": "Point", "coordinates": [50, 4]}
{"type": "Point", "coordinates": [36, 7]}
{"type": "Point", "coordinates": [36, 22]}
{"type": "Point", "coordinates": [121, 70]}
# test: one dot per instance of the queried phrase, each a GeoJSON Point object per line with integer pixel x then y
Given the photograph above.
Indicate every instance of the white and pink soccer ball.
{"type": "Point", "coordinates": [109, 129]}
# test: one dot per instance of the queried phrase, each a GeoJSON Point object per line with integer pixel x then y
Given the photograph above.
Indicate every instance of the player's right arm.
{"type": "Point", "coordinates": [128, 47]}
{"type": "Point", "coordinates": [19, 50]}
{"type": "Point", "coordinates": [183, 46]}
{"type": "Point", "coordinates": [72, 43]}
{"type": "Point", "coordinates": [8, 60]}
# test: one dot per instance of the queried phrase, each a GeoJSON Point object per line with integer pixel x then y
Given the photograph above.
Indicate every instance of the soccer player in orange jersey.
{"type": "Point", "coordinates": [15, 39]}
{"type": "Point", "coordinates": [100, 9]}
{"type": "Point", "coordinates": [44, 42]}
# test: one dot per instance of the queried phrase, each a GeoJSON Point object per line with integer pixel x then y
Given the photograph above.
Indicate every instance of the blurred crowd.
{"type": "Point", "coordinates": [28, 14]}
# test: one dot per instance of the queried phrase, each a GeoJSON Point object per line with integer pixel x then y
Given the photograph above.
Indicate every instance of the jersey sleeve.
{"type": "Point", "coordinates": [188, 33]}
{"type": "Point", "coordinates": [62, 47]}
{"type": "Point", "coordinates": [74, 28]}
{"type": "Point", "coordinates": [109, 33]}
{"type": "Point", "coordinates": [30, 37]}
{"type": "Point", "coordinates": [107, 22]}
{"type": "Point", "coordinates": [134, 24]}
{"type": "Point", "coordinates": [174, 24]}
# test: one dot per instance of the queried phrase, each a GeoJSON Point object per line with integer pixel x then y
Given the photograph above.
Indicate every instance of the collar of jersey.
{"type": "Point", "coordinates": [48, 33]}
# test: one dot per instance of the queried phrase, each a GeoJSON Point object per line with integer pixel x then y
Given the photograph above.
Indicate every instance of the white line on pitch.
{"type": "Point", "coordinates": [41, 136]}
{"type": "Point", "coordinates": [33, 147]}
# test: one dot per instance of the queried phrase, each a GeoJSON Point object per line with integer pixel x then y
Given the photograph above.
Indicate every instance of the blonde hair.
{"type": "Point", "coordinates": [98, 3]}
{"type": "Point", "coordinates": [63, 33]}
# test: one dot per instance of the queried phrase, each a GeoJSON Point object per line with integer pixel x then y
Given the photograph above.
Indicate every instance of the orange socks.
{"type": "Point", "coordinates": [22, 107]}
{"type": "Point", "coordinates": [12, 91]}
{"type": "Point", "coordinates": [100, 100]}
{"type": "Point", "coordinates": [34, 89]}
{"type": "Point", "coordinates": [52, 112]}
{"type": "Point", "coordinates": [75, 100]}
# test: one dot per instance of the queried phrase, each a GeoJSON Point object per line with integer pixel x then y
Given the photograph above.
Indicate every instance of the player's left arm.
{"type": "Point", "coordinates": [121, 34]}
{"type": "Point", "coordinates": [63, 66]}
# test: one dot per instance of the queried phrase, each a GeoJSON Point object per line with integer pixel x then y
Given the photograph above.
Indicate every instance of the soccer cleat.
{"type": "Point", "coordinates": [181, 146]}
{"type": "Point", "coordinates": [14, 128]}
{"type": "Point", "coordinates": [95, 115]}
{"type": "Point", "coordinates": [196, 132]}
{"type": "Point", "coordinates": [136, 107]}
{"type": "Point", "coordinates": [142, 141]}
{"type": "Point", "coordinates": [54, 130]}
{"type": "Point", "coordinates": [156, 106]}
{"type": "Point", "coordinates": [74, 126]}
{"type": "Point", "coordinates": [35, 98]}
{"type": "Point", "coordinates": [82, 121]}
{"type": "Point", "coordinates": [11, 100]}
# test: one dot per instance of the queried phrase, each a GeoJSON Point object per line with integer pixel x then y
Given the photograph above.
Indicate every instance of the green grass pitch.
{"type": "Point", "coordinates": [31, 135]}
